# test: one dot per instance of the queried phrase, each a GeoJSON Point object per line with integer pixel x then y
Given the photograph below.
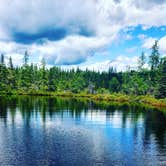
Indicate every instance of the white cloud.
{"type": "Point", "coordinates": [121, 63]}
{"type": "Point", "coordinates": [32, 16]}
{"type": "Point", "coordinates": [131, 13]}
{"type": "Point", "coordinates": [9, 47]}
{"type": "Point", "coordinates": [148, 42]}
{"type": "Point", "coordinates": [102, 19]}
{"type": "Point", "coordinates": [71, 50]}
{"type": "Point", "coordinates": [17, 59]}
{"type": "Point", "coordinates": [162, 44]}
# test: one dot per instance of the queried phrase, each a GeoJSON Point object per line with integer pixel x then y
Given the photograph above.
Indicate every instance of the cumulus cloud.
{"type": "Point", "coordinates": [17, 60]}
{"type": "Point", "coordinates": [162, 44]}
{"type": "Point", "coordinates": [148, 42]}
{"type": "Point", "coordinates": [121, 63]}
{"type": "Point", "coordinates": [68, 32]}
{"type": "Point", "coordinates": [36, 17]}
{"type": "Point", "coordinates": [71, 50]}
{"type": "Point", "coordinates": [131, 12]}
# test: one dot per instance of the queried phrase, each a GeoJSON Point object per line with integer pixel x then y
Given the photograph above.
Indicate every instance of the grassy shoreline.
{"type": "Point", "coordinates": [116, 97]}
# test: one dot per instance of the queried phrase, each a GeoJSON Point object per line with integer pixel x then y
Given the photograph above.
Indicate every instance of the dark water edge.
{"type": "Point", "coordinates": [65, 131]}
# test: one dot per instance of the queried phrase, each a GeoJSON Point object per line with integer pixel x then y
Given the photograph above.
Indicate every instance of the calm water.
{"type": "Point", "coordinates": [49, 131]}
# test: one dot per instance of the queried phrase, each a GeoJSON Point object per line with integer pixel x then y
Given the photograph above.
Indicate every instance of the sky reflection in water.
{"type": "Point", "coordinates": [54, 131]}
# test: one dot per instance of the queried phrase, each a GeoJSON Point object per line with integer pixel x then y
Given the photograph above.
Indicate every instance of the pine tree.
{"type": "Point", "coordinates": [114, 85]}
{"type": "Point", "coordinates": [25, 79]}
{"type": "Point", "coordinates": [11, 78]}
{"type": "Point", "coordinates": [2, 59]}
{"type": "Point", "coordinates": [26, 58]}
{"type": "Point", "coordinates": [3, 73]}
{"type": "Point", "coordinates": [141, 61]}
{"type": "Point", "coordinates": [43, 63]}
{"type": "Point", "coordinates": [154, 58]}
{"type": "Point", "coordinates": [43, 73]}
{"type": "Point", "coordinates": [11, 63]}
{"type": "Point", "coordinates": [162, 81]}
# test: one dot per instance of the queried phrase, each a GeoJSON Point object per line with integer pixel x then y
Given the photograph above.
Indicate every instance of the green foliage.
{"type": "Point", "coordinates": [39, 80]}
{"type": "Point", "coordinates": [141, 61]}
{"type": "Point", "coordinates": [162, 81]}
{"type": "Point", "coordinates": [154, 58]}
{"type": "Point", "coordinates": [102, 91]}
{"type": "Point", "coordinates": [30, 78]}
{"type": "Point", "coordinates": [114, 85]}
{"type": "Point", "coordinates": [11, 63]}
{"type": "Point", "coordinates": [26, 58]}
{"type": "Point", "coordinates": [2, 59]}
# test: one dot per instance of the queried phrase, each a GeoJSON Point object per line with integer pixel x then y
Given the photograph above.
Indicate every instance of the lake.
{"type": "Point", "coordinates": [43, 131]}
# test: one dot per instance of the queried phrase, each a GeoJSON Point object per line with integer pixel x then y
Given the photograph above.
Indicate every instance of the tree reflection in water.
{"type": "Point", "coordinates": [127, 115]}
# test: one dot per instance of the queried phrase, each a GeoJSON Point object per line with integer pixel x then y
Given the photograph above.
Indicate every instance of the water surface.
{"type": "Point", "coordinates": [52, 131]}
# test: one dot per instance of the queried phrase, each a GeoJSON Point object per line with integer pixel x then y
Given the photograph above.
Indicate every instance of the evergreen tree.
{"type": "Point", "coordinates": [162, 81]}
{"type": "Point", "coordinates": [3, 74]}
{"type": "Point", "coordinates": [2, 59]}
{"type": "Point", "coordinates": [141, 61]}
{"type": "Point", "coordinates": [11, 63]}
{"type": "Point", "coordinates": [43, 74]}
{"type": "Point", "coordinates": [43, 64]}
{"type": "Point", "coordinates": [154, 58]}
{"type": "Point", "coordinates": [26, 58]}
{"type": "Point", "coordinates": [24, 75]}
{"type": "Point", "coordinates": [28, 78]}
{"type": "Point", "coordinates": [114, 85]}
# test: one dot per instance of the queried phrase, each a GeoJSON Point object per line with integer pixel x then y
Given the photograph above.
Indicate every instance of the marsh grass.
{"type": "Point", "coordinates": [114, 97]}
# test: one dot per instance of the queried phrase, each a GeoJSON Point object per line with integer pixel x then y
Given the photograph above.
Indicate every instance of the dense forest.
{"type": "Point", "coordinates": [31, 78]}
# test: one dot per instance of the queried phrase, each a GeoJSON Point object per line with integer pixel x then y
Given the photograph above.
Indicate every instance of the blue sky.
{"type": "Point", "coordinates": [94, 34]}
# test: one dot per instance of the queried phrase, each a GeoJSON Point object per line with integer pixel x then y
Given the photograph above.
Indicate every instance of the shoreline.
{"type": "Point", "coordinates": [116, 97]}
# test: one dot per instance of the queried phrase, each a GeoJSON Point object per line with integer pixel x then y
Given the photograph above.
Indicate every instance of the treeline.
{"type": "Point", "coordinates": [30, 78]}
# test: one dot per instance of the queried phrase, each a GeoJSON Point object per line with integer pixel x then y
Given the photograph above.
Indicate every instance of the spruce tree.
{"type": "Point", "coordinates": [26, 58]}
{"type": "Point", "coordinates": [154, 58]}
{"type": "Point", "coordinates": [2, 59]}
{"type": "Point", "coordinates": [3, 73]}
{"type": "Point", "coordinates": [11, 77]}
{"type": "Point", "coordinates": [162, 81]}
{"type": "Point", "coordinates": [11, 63]}
{"type": "Point", "coordinates": [141, 61]}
